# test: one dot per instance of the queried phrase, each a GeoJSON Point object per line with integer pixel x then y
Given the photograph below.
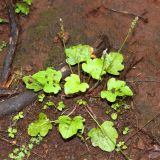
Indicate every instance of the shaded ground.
{"type": "Point", "coordinates": [37, 49]}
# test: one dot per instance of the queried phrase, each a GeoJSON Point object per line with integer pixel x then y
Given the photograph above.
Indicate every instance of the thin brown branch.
{"type": "Point", "coordinates": [14, 32]}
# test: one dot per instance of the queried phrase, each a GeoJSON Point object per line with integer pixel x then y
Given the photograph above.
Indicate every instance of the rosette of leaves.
{"type": "Point", "coordinates": [47, 80]}
{"type": "Point", "coordinates": [116, 88]}
{"type": "Point", "coordinates": [113, 63]}
{"type": "Point", "coordinates": [73, 85]}
{"type": "Point", "coordinates": [69, 127]}
{"type": "Point", "coordinates": [77, 54]}
{"type": "Point", "coordinates": [94, 67]}
{"type": "Point", "coordinates": [104, 136]}
{"type": "Point", "coordinates": [40, 127]}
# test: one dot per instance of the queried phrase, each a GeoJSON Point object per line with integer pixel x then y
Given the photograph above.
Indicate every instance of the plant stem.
{"type": "Point", "coordinates": [79, 72]}
{"type": "Point", "coordinates": [133, 24]}
{"type": "Point", "coordinates": [124, 42]}
{"type": "Point", "coordinates": [102, 130]}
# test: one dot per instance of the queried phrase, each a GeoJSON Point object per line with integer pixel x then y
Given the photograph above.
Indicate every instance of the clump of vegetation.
{"type": "Point", "coordinates": [23, 7]}
{"type": "Point", "coordinates": [48, 82]}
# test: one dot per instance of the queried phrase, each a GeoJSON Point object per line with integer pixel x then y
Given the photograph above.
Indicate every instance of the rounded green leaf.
{"type": "Point", "coordinates": [73, 85]}
{"type": "Point", "coordinates": [113, 63]}
{"type": "Point", "coordinates": [94, 68]}
{"type": "Point", "coordinates": [77, 54]}
{"type": "Point", "coordinates": [69, 127]}
{"type": "Point", "coordinates": [104, 137]}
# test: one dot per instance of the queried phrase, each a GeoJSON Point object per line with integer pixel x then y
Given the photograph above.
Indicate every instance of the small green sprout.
{"type": "Point", "coordinates": [19, 116]}
{"type": "Point", "coordinates": [41, 97]}
{"type": "Point", "coordinates": [22, 8]}
{"type": "Point", "coordinates": [48, 104]}
{"type": "Point", "coordinates": [29, 2]}
{"type": "Point", "coordinates": [60, 106]}
{"type": "Point", "coordinates": [125, 130]}
{"type": "Point", "coordinates": [11, 132]}
{"type": "Point", "coordinates": [116, 88]}
{"type": "Point", "coordinates": [114, 116]}
{"type": "Point", "coordinates": [121, 146]}
{"type": "Point", "coordinates": [3, 44]}
{"type": "Point", "coordinates": [81, 102]}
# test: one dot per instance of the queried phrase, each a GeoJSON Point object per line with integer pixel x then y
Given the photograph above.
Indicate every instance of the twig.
{"type": "Point", "coordinates": [145, 20]}
{"type": "Point", "coordinates": [156, 116]}
{"type": "Point", "coordinates": [14, 32]}
{"type": "Point", "coordinates": [143, 81]}
{"type": "Point", "coordinates": [130, 64]}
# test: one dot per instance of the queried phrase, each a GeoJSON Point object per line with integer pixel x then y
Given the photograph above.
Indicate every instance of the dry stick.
{"type": "Point", "coordinates": [143, 81]}
{"type": "Point", "coordinates": [14, 144]}
{"type": "Point", "coordinates": [156, 116]}
{"type": "Point", "coordinates": [145, 20]}
{"type": "Point", "coordinates": [14, 32]}
{"type": "Point", "coordinates": [131, 63]}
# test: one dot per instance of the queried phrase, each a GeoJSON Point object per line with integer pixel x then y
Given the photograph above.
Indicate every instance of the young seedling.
{"type": "Point", "coordinates": [116, 88]}
{"type": "Point", "coordinates": [19, 116]}
{"type": "Point", "coordinates": [121, 146]}
{"type": "Point", "coordinates": [29, 2]}
{"type": "Point", "coordinates": [22, 8]}
{"type": "Point", "coordinates": [81, 102]}
{"type": "Point", "coordinates": [41, 97]}
{"type": "Point", "coordinates": [3, 44]}
{"type": "Point", "coordinates": [125, 130]}
{"type": "Point", "coordinates": [60, 106]}
{"type": "Point", "coordinates": [11, 132]}
{"type": "Point", "coordinates": [114, 116]}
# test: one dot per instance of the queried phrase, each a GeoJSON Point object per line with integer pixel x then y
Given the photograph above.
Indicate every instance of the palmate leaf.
{"type": "Point", "coordinates": [113, 63]}
{"type": "Point", "coordinates": [116, 88]}
{"type": "Point", "coordinates": [70, 126]}
{"type": "Point", "coordinates": [94, 68]}
{"type": "Point", "coordinates": [104, 137]}
{"type": "Point", "coordinates": [77, 54]}
{"type": "Point", "coordinates": [73, 85]}
{"type": "Point", "coordinates": [48, 80]}
{"type": "Point", "coordinates": [40, 126]}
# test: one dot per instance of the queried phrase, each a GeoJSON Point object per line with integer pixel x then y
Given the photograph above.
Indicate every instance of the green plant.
{"type": "Point", "coordinates": [116, 88]}
{"type": "Point", "coordinates": [94, 67]}
{"type": "Point", "coordinates": [121, 146]}
{"type": "Point", "coordinates": [81, 102]}
{"type": "Point", "coordinates": [104, 136]}
{"type": "Point", "coordinates": [60, 106]}
{"type": "Point", "coordinates": [29, 2]}
{"type": "Point", "coordinates": [3, 21]}
{"type": "Point", "coordinates": [22, 8]}
{"type": "Point", "coordinates": [68, 126]}
{"type": "Point", "coordinates": [19, 116]}
{"type": "Point", "coordinates": [41, 97]}
{"type": "Point", "coordinates": [47, 80]}
{"type": "Point", "coordinates": [78, 54]}
{"type": "Point", "coordinates": [125, 130]}
{"type": "Point", "coordinates": [40, 126]}
{"type": "Point", "coordinates": [73, 85]}
{"type": "Point", "coordinates": [11, 132]}
{"type": "Point", "coordinates": [3, 44]}
{"type": "Point", "coordinates": [24, 151]}
{"type": "Point", "coordinates": [114, 116]}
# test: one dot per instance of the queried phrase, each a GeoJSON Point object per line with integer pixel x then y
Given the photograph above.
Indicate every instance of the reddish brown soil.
{"type": "Point", "coordinates": [85, 23]}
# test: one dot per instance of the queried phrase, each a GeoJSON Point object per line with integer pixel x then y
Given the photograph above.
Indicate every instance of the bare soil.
{"type": "Point", "coordinates": [36, 50]}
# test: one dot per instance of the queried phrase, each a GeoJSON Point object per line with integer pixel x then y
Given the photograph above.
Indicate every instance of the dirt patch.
{"type": "Point", "coordinates": [84, 23]}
